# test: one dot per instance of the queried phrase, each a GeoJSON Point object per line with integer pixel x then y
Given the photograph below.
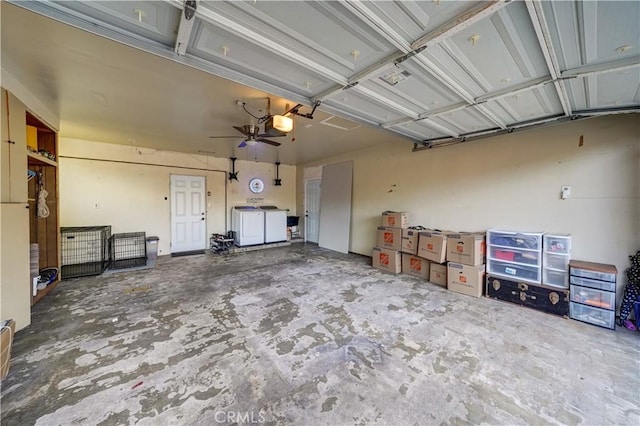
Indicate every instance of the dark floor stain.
{"type": "Point", "coordinates": [282, 312]}
{"type": "Point", "coordinates": [403, 389]}
{"type": "Point", "coordinates": [329, 403]}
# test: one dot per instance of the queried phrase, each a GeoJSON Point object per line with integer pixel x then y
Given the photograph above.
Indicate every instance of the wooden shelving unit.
{"type": "Point", "coordinates": [44, 231]}
{"type": "Point", "coordinates": [37, 158]}
{"type": "Point", "coordinates": [42, 293]}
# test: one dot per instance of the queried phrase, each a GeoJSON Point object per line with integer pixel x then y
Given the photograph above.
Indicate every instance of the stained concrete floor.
{"type": "Point", "coordinates": [300, 335]}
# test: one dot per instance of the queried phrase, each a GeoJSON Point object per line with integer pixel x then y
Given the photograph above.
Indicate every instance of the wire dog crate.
{"type": "Point", "coordinates": [128, 250]}
{"type": "Point", "coordinates": [85, 250]}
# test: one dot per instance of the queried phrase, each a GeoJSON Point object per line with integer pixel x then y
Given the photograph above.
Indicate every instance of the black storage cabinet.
{"type": "Point", "coordinates": [551, 300]}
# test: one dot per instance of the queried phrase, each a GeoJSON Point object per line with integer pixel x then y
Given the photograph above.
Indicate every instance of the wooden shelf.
{"type": "Point", "coordinates": [42, 293]}
{"type": "Point", "coordinates": [45, 232]}
{"type": "Point", "coordinates": [41, 159]}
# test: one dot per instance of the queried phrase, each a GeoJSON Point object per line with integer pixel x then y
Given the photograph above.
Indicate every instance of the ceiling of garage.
{"type": "Point", "coordinates": [427, 72]}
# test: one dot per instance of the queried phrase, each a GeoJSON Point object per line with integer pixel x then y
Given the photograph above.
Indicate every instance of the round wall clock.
{"type": "Point", "coordinates": [256, 185]}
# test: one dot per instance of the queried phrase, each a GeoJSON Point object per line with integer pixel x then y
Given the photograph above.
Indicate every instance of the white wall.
{"type": "Point", "coordinates": [131, 197]}
{"type": "Point", "coordinates": [511, 182]}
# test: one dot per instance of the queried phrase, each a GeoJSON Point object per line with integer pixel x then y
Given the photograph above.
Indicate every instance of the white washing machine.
{"type": "Point", "coordinates": [275, 224]}
{"type": "Point", "coordinates": [247, 223]}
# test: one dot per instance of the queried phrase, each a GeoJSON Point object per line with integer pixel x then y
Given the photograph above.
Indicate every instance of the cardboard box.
{"type": "Point", "coordinates": [432, 246]}
{"type": "Point", "coordinates": [389, 238]}
{"type": "Point", "coordinates": [416, 266]}
{"type": "Point", "coordinates": [465, 279]}
{"type": "Point", "coordinates": [410, 241]}
{"type": "Point", "coordinates": [6, 340]}
{"type": "Point", "coordinates": [387, 260]}
{"type": "Point", "coordinates": [395, 219]}
{"type": "Point", "coordinates": [438, 274]}
{"type": "Point", "coordinates": [32, 138]}
{"type": "Point", "coordinates": [466, 248]}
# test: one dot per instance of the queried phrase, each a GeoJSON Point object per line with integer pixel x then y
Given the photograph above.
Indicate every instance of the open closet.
{"type": "Point", "coordinates": [44, 229]}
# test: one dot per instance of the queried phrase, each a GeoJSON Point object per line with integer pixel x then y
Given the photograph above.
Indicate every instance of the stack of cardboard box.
{"type": "Point", "coordinates": [432, 245]}
{"type": "Point", "coordinates": [465, 268]}
{"type": "Point", "coordinates": [386, 254]}
{"type": "Point", "coordinates": [7, 330]}
{"type": "Point", "coordinates": [445, 258]}
{"type": "Point", "coordinates": [411, 263]}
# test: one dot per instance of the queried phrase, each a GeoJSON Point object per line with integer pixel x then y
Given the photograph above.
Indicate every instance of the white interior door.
{"type": "Point", "coordinates": [312, 209]}
{"type": "Point", "coordinates": [188, 214]}
{"type": "Point", "coordinates": [335, 206]}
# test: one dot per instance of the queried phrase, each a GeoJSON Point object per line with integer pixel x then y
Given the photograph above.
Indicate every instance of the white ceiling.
{"type": "Point", "coordinates": [403, 71]}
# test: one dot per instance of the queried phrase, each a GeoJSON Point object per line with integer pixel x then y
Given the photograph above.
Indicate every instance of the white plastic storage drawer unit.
{"type": "Point", "coordinates": [555, 260]}
{"type": "Point", "coordinates": [601, 285]}
{"type": "Point", "coordinates": [593, 297]}
{"type": "Point", "coordinates": [515, 255]}
{"type": "Point", "coordinates": [595, 316]}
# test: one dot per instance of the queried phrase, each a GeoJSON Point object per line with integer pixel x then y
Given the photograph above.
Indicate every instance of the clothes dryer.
{"type": "Point", "coordinates": [275, 224]}
{"type": "Point", "coordinates": [247, 223]}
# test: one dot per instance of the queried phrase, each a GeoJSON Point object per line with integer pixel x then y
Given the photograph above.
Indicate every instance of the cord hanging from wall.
{"type": "Point", "coordinates": [42, 211]}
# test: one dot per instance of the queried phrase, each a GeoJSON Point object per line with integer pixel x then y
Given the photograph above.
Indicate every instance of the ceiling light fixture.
{"type": "Point", "coordinates": [282, 123]}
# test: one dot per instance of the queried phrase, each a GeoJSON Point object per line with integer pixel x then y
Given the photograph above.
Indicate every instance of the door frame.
{"type": "Point", "coordinates": [306, 209]}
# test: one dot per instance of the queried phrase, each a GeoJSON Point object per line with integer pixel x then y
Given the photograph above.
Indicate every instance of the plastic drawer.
{"type": "Point", "coordinates": [595, 316]}
{"type": "Point", "coordinates": [556, 261]}
{"type": "Point", "coordinates": [555, 278]}
{"type": "Point", "coordinates": [560, 244]}
{"type": "Point", "coordinates": [514, 271]}
{"type": "Point", "coordinates": [524, 256]}
{"type": "Point", "coordinates": [587, 273]}
{"type": "Point", "coordinates": [593, 297]}
{"type": "Point", "coordinates": [522, 240]}
{"type": "Point", "coordinates": [586, 282]}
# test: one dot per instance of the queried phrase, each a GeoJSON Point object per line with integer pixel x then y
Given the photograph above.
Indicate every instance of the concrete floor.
{"type": "Point", "coordinates": [301, 335]}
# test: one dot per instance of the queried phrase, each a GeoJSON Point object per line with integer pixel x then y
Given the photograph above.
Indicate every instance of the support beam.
{"type": "Point", "coordinates": [514, 90]}
{"type": "Point", "coordinates": [274, 46]}
{"type": "Point", "coordinates": [542, 33]}
{"type": "Point", "coordinates": [376, 97]}
{"type": "Point", "coordinates": [184, 30]}
{"type": "Point", "coordinates": [441, 128]}
{"type": "Point", "coordinates": [373, 20]}
{"type": "Point", "coordinates": [442, 142]}
{"type": "Point", "coordinates": [443, 78]}
{"type": "Point", "coordinates": [632, 109]}
{"type": "Point", "coordinates": [587, 70]}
